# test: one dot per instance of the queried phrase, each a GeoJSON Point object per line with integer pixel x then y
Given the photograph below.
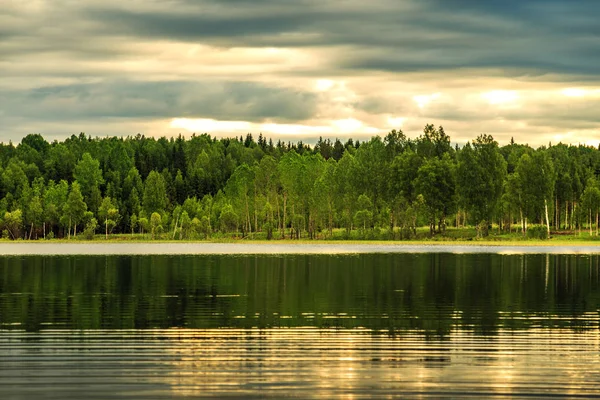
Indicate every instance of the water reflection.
{"type": "Point", "coordinates": [301, 362]}
{"type": "Point", "coordinates": [432, 293]}
{"type": "Point", "coordinates": [402, 325]}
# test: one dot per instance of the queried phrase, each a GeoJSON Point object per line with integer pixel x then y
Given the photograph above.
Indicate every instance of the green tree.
{"type": "Point", "coordinates": [186, 224]}
{"type": "Point", "coordinates": [60, 163]}
{"type": "Point", "coordinates": [481, 172]}
{"type": "Point", "coordinates": [433, 142]}
{"type": "Point", "coordinates": [536, 185]}
{"type": "Point", "coordinates": [228, 219]}
{"type": "Point", "coordinates": [55, 198]}
{"type": "Point", "coordinates": [13, 221]}
{"type": "Point", "coordinates": [34, 212]}
{"type": "Point", "coordinates": [435, 181]}
{"type": "Point", "coordinates": [240, 191]}
{"type": "Point", "coordinates": [372, 171]}
{"type": "Point", "coordinates": [108, 212]}
{"type": "Point", "coordinates": [155, 223]}
{"type": "Point", "coordinates": [591, 202]}
{"type": "Point", "coordinates": [346, 189]}
{"type": "Point", "coordinates": [364, 215]}
{"type": "Point", "coordinates": [144, 224]}
{"type": "Point", "coordinates": [133, 223]}
{"type": "Point", "coordinates": [202, 226]}
{"type": "Point", "coordinates": [133, 189]}
{"type": "Point", "coordinates": [155, 194]}
{"type": "Point", "coordinates": [75, 208]}
{"type": "Point", "coordinates": [89, 176]}
{"type": "Point", "coordinates": [180, 188]}
{"type": "Point", "coordinates": [14, 180]}
{"type": "Point", "coordinates": [324, 194]}
{"type": "Point", "coordinates": [90, 228]}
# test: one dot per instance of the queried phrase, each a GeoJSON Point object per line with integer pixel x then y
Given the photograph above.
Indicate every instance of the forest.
{"type": "Point", "coordinates": [202, 187]}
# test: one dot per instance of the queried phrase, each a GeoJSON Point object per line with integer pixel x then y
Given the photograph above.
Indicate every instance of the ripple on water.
{"type": "Point", "coordinates": [369, 325]}
{"type": "Point", "coordinates": [299, 362]}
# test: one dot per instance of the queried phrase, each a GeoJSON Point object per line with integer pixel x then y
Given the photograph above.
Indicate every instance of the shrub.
{"type": "Point", "coordinates": [537, 232]}
{"type": "Point", "coordinates": [90, 229]}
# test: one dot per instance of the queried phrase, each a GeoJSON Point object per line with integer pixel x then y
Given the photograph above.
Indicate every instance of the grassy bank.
{"type": "Point", "coordinates": [458, 236]}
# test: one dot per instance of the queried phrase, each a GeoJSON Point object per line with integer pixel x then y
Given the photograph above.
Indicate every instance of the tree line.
{"type": "Point", "coordinates": [202, 186]}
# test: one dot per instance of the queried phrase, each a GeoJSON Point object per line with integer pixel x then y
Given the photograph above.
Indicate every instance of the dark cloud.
{"type": "Point", "coordinates": [556, 114]}
{"type": "Point", "coordinates": [518, 36]}
{"type": "Point", "coordinates": [381, 105]}
{"type": "Point", "coordinates": [153, 100]}
{"type": "Point", "coordinates": [92, 51]}
{"type": "Point", "coordinates": [183, 26]}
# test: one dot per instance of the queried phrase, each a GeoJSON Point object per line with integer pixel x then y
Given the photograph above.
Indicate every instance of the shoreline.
{"type": "Point", "coordinates": [270, 248]}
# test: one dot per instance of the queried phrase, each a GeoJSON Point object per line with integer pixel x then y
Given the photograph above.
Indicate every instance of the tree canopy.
{"type": "Point", "coordinates": [198, 186]}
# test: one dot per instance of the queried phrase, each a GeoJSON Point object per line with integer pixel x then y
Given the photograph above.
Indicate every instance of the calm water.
{"type": "Point", "coordinates": [365, 325]}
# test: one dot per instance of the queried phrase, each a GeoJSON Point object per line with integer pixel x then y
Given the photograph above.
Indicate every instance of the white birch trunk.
{"type": "Point", "coordinates": [547, 220]}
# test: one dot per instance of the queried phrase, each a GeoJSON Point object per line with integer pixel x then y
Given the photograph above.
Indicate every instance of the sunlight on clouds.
{"type": "Point", "coordinates": [500, 96]}
{"type": "Point", "coordinates": [588, 137]}
{"type": "Point", "coordinates": [209, 125]}
{"type": "Point", "coordinates": [130, 65]}
{"type": "Point", "coordinates": [347, 125]}
{"type": "Point", "coordinates": [395, 122]}
{"type": "Point", "coordinates": [172, 60]}
{"type": "Point", "coordinates": [323, 85]}
{"type": "Point", "coordinates": [423, 100]}
{"type": "Point", "coordinates": [294, 129]}
{"type": "Point", "coordinates": [563, 137]}
{"type": "Point", "coordinates": [337, 127]}
{"type": "Point", "coordinates": [333, 128]}
{"type": "Point", "coordinates": [574, 92]}
{"type": "Point", "coordinates": [579, 92]}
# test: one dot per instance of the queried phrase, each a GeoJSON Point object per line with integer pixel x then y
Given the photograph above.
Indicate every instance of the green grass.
{"type": "Point", "coordinates": [458, 236]}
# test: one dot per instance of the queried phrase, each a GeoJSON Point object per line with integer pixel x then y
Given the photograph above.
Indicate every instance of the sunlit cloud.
{"type": "Point", "coordinates": [395, 122]}
{"type": "Point", "coordinates": [283, 68]}
{"type": "Point", "coordinates": [580, 92]}
{"type": "Point", "coordinates": [209, 125]}
{"type": "Point", "coordinates": [348, 125]}
{"type": "Point", "coordinates": [496, 97]}
{"type": "Point", "coordinates": [323, 85]}
{"type": "Point", "coordinates": [582, 136]}
{"type": "Point", "coordinates": [425, 99]}
{"type": "Point", "coordinates": [294, 129]}
{"type": "Point", "coordinates": [336, 128]}
{"type": "Point", "coordinates": [574, 92]}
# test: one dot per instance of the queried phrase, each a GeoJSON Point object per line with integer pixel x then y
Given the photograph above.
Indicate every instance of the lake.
{"type": "Point", "coordinates": [300, 325]}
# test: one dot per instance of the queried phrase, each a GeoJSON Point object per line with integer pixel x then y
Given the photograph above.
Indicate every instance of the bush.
{"type": "Point", "coordinates": [268, 228]}
{"type": "Point", "coordinates": [90, 229]}
{"type": "Point", "coordinates": [50, 235]}
{"type": "Point", "coordinates": [405, 233]}
{"type": "Point", "coordinates": [537, 232]}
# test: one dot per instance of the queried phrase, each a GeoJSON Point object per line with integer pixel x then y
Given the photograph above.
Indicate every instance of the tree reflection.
{"type": "Point", "coordinates": [388, 293]}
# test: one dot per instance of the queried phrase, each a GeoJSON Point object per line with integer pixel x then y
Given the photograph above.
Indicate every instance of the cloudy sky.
{"type": "Point", "coordinates": [299, 69]}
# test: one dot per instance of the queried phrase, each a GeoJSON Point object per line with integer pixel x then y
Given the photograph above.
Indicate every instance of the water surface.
{"type": "Point", "coordinates": [365, 325]}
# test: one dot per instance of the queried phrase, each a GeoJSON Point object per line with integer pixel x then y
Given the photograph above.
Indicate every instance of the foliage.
{"type": "Point", "coordinates": [537, 232]}
{"type": "Point", "coordinates": [203, 187]}
{"type": "Point", "coordinates": [435, 181]}
{"type": "Point", "coordinates": [75, 207]}
{"type": "Point", "coordinates": [90, 228]}
{"type": "Point", "coordinates": [155, 193]}
{"type": "Point", "coordinates": [155, 224]}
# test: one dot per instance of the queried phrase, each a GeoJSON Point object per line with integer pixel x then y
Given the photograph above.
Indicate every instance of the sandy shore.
{"type": "Point", "coordinates": [166, 248]}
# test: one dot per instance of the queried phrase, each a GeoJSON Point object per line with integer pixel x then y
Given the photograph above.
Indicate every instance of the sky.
{"type": "Point", "coordinates": [300, 69]}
